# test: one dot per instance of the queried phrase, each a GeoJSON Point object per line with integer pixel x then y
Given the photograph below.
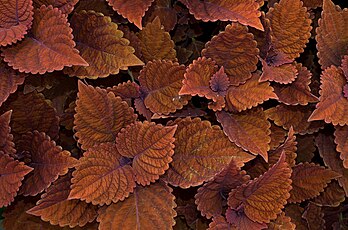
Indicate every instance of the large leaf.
{"type": "Point", "coordinates": [151, 147]}
{"type": "Point", "coordinates": [49, 47]}
{"type": "Point", "coordinates": [272, 187]}
{"type": "Point", "coordinates": [245, 12]}
{"type": "Point", "coordinates": [66, 6]}
{"type": "Point", "coordinates": [332, 35]}
{"type": "Point", "coordinates": [150, 207]}
{"type": "Point", "coordinates": [6, 138]}
{"type": "Point", "coordinates": [201, 152]}
{"type": "Point", "coordinates": [16, 17]}
{"type": "Point", "coordinates": [102, 176]}
{"type": "Point", "coordinates": [99, 116]}
{"type": "Point", "coordinates": [236, 50]}
{"type": "Point", "coordinates": [101, 44]}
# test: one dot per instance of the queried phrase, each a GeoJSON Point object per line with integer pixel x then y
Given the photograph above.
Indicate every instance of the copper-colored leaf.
{"type": "Point", "coordinates": [220, 223]}
{"type": "Point", "coordinates": [249, 95]}
{"type": "Point", "coordinates": [102, 176]}
{"type": "Point", "coordinates": [332, 35]}
{"type": "Point", "coordinates": [66, 6]}
{"type": "Point", "coordinates": [132, 10]}
{"type": "Point", "coordinates": [305, 148]}
{"type": "Point", "coordinates": [211, 198]}
{"type": "Point", "coordinates": [291, 27]}
{"type": "Point", "coordinates": [6, 138]}
{"type": "Point", "coordinates": [156, 42]}
{"type": "Point", "coordinates": [278, 135]}
{"type": "Point", "coordinates": [295, 212]}
{"type": "Point", "coordinates": [245, 12]}
{"type": "Point", "coordinates": [272, 187]}
{"type": "Point", "coordinates": [48, 160]}
{"type": "Point", "coordinates": [55, 207]}
{"type": "Point", "coordinates": [314, 217]}
{"type": "Point", "coordinates": [239, 220]}
{"type": "Point", "coordinates": [308, 180]}
{"type": "Point", "coordinates": [99, 116]}
{"type": "Point", "coordinates": [12, 173]}
{"type": "Point", "coordinates": [298, 92]}
{"type": "Point", "coordinates": [236, 50]}
{"type": "Point", "coordinates": [249, 130]}
{"type": "Point", "coordinates": [126, 90]}
{"type": "Point", "coordinates": [161, 82]}
{"type": "Point", "coordinates": [333, 105]}
{"type": "Point", "coordinates": [341, 139]}
{"type": "Point", "coordinates": [201, 152]}
{"type": "Point", "coordinates": [16, 17]}
{"type": "Point", "coordinates": [332, 196]}
{"type": "Point", "coordinates": [150, 207]}
{"type": "Point", "coordinates": [283, 74]}
{"type": "Point", "coordinates": [49, 47]}
{"type": "Point", "coordinates": [282, 222]}
{"type": "Point", "coordinates": [101, 44]}
{"type": "Point", "coordinates": [312, 3]}
{"type": "Point", "coordinates": [151, 147]}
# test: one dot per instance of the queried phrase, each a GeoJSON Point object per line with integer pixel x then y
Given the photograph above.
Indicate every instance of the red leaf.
{"type": "Point", "coordinates": [6, 138]}
{"type": "Point", "coordinates": [41, 52]}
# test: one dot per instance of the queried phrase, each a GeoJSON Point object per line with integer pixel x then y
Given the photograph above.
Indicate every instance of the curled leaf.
{"type": "Point", "coordinates": [282, 222]}
{"type": "Point", "coordinates": [6, 138]}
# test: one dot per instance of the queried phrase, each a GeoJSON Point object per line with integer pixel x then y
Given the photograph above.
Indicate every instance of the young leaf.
{"type": "Point", "coordinates": [101, 44]}
{"type": "Point", "coordinates": [48, 160]}
{"type": "Point", "coordinates": [151, 147]}
{"type": "Point", "coordinates": [99, 116]}
{"type": "Point", "coordinates": [196, 158]}
{"type": "Point", "coordinates": [102, 176]}
{"type": "Point", "coordinates": [49, 47]}
{"type": "Point", "coordinates": [12, 172]}
{"type": "Point", "coordinates": [16, 17]}
{"type": "Point", "coordinates": [66, 6]}
{"type": "Point", "coordinates": [55, 207]}
{"type": "Point", "coordinates": [150, 207]}
{"type": "Point", "coordinates": [236, 50]}
{"type": "Point", "coordinates": [272, 187]}
{"type": "Point", "coordinates": [6, 138]}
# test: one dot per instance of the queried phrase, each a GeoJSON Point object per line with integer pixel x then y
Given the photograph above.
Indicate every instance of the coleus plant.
{"type": "Point", "coordinates": [164, 114]}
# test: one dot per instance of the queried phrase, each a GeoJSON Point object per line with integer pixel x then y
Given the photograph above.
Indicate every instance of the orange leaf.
{"type": "Point", "coordinates": [291, 27]}
{"type": "Point", "coordinates": [236, 50]}
{"type": "Point", "coordinates": [66, 6]}
{"type": "Point", "coordinates": [102, 176]}
{"type": "Point", "coordinates": [298, 92]}
{"type": "Point", "coordinates": [101, 44]}
{"type": "Point", "coordinates": [55, 207]}
{"type": "Point", "coordinates": [126, 90]}
{"type": "Point", "coordinates": [16, 17]}
{"type": "Point", "coordinates": [308, 180]}
{"type": "Point", "coordinates": [161, 82]}
{"type": "Point", "coordinates": [282, 222]}
{"type": "Point", "coordinates": [156, 42]}
{"type": "Point", "coordinates": [249, 94]}
{"type": "Point", "coordinates": [295, 212]}
{"type": "Point", "coordinates": [155, 203]}
{"type": "Point", "coordinates": [150, 146]}
{"type": "Point", "coordinates": [272, 187]}
{"type": "Point", "coordinates": [249, 130]}
{"type": "Point", "coordinates": [220, 223]}
{"type": "Point", "coordinates": [283, 74]}
{"type": "Point", "coordinates": [332, 196]}
{"type": "Point", "coordinates": [201, 152]}
{"type": "Point", "coordinates": [341, 140]}
{"type": "Point", "coordinates": [48, 160]}
{"type": "Point", "coordinates": [245, 12]}
{"type": "Point", "coordinates": [6, 138]}
{"type": "Point", "coordinates": [240, 221]}
{"type": "Point", "coordinates": [332, 105]}
{"type": "Point", "coordinates": [132, 10]}
{"type": "Point", "coordinates": [49, 47]}
{"type": "Point", "coordinates": [278, 135]}
{"type": "Point", "coordinates": [12, 172]}
{"type": "Point", "coordinates": [332, 35]}
{"type": "Point", "coordinates": [211, 198]}
{"type": "Point", "coordinates": [99, 116]}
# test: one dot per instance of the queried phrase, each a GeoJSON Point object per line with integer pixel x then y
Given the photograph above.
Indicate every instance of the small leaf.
{"type": "Point", "coordinates": [240, 221]}
{"type": "Point", "coordinates": [219, 223]}
{"type": "Point", "coordinates": [295, 212]}
{"type": "Point", "coordinates": [49, 47]}
{"type": "Point", "coordinates": [66, 6]}
{"type": "Point", "coordinates": [341, 135]}
{"type": "Point", "coordinates": [332, 196]}
{"type": "Point", "coordinates": [126, 90]}
{"type": "Point", "coordinates": [6, 138]}
{"type": "Point", "coordinates": [150, 146]}
{"type": "Point", "coordinates": [282, 222]}
{"type": "Point", "coordinates": [314, 217]}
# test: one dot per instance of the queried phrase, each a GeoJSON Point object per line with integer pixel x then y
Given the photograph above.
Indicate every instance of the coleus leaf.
{"type": "Point", "coordinates": [283, 74]}
{"type": "Point", "coordinates": [332, 35]}
{"type": "Point", "coordinates": [48, 160]}
{"type": "Point", "coordinates": [245, 12]}
{"type": "Point", "coordinates": [219, 223]}
{"type": "Point", "coordinates": [134, 212]}
{"type": "Point", "coordinates": [66, 6]}
{"type": "Point", "coordinates": [102, 176]}
{"type": "Point", "coordinates": [295, 213]}
{"type": "Point", "coordinates": [236, 50]}
{"type": "Point", "coordinates": [313, 3]}
{"type": "Point", "coordinates": [341, 133]}
{"type": "Point", "coordinates": [49, 47]}
{"type": "Point", "coordinates": [272, 187]}
{"type": "Point", "coordinates": [239, 220]}
{"type": "Point", "coordinates": [278, 135]}
{"type": "Point", "coordinates": [282, 222]}
{"type": "Point", "coordinates": [241, 128]}
{"type": "Point", "coordinates": [151, 147]}
{"type": "Point", "coordinates": [160, 82]}
{"type": "Point", "coordinates": [101, 44]}
{"type": "Point", "coordinates": [156, 43]}
{"type": "Point", "coordinates": [132, 10]}
{"type": "Point", "coordinates": [6, 138]}
{"type": "Point", "coordinates": [99, 116]}
{"type": "Point", "coordinates": [332, 196]}
{"type": "Point", "coordinates": [126, 90]}
{"type": "Point", "coordinates": [211, 198]}
{"type": "Point", "coordinates": [12, 173]}
{"type": "Point", "coordinates": [196, 159]}
{"type": "Point", "coordinates": [55, 207]}
{"type": "Point", "coordinates": [308, 180]}
{"type": "Point", "coordinates": [16, 17]}
{"type": "Point", "coordinates": [305, 148]}
{"type": "Point", "coordinates": [314, 217]}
